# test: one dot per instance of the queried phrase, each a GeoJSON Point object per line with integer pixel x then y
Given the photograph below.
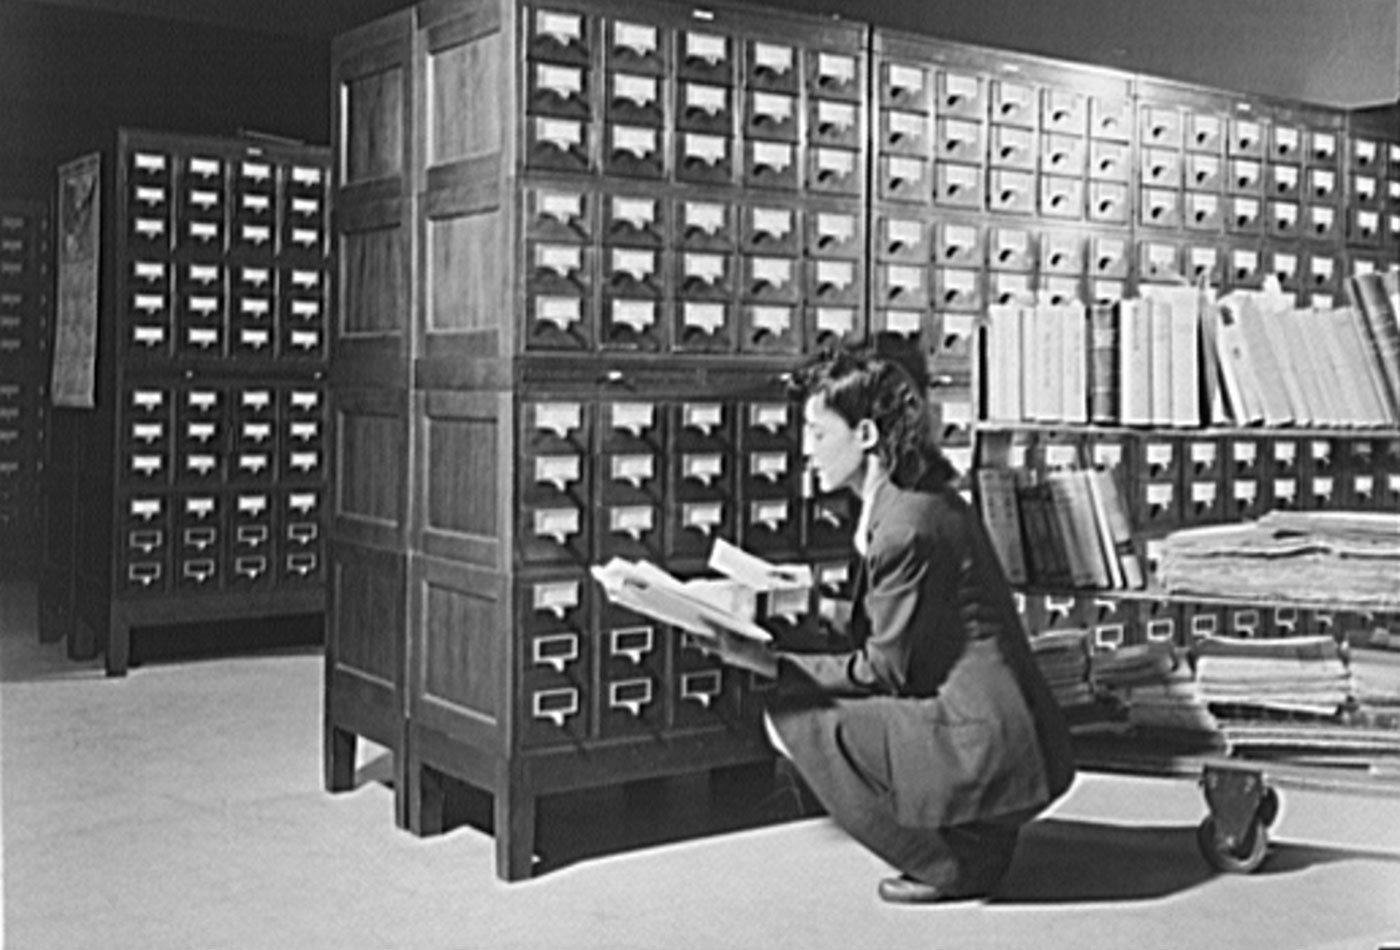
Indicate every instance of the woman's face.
{"type": "Point", "coordinates": [835, 450]}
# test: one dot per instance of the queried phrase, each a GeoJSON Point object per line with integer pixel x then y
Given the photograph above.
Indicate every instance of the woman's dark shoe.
{"type": "Point", "coordinates": [906, 890]}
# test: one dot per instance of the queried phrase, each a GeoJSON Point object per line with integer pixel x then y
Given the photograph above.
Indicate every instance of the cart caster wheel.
{"type": "Point", "coordinates": [1240, 857]}
{"type": "Point", "coordinates": [1268, 806]}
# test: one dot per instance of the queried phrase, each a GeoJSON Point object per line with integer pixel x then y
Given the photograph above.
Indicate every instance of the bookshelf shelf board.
{"type": "Point", "coordinates": [1321, 602]}
{"type": "Point", "coordinates": [987, 426]}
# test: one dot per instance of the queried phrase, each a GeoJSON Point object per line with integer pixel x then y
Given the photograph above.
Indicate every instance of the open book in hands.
{"type": "Point", "coordinates": [698, 606]}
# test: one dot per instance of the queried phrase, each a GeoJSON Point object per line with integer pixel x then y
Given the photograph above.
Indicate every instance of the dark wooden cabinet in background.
{"type": "Point", "coordinates": [193, 489]}
{"type": "Point", "coordinates": [26, 309]}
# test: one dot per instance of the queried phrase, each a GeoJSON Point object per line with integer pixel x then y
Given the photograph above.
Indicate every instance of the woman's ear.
{"type": "Point", "coordinates": [867, 434]}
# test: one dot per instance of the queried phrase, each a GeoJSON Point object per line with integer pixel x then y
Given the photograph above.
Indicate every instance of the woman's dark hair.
{"type": "Point", "coordinates": [885, 381]}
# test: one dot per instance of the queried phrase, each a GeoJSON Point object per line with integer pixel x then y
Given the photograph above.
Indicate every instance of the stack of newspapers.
{"type": "Point", "coordinates": [1336, 557]}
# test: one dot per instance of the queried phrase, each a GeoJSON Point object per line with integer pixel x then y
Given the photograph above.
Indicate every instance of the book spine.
{"type": "Point", "coordinates": [1103, 362]}
{"type": "Point", "coordinates": [1160, 323]}
{"type": "Point", "coordinates": [1361, 362]}
{"type": "Point", "coordinates": [1135, 363]}
{"type": "Point", "coordinates": [1186, 367]}
{"type": "Point", "coordinates": [1074, 380]}
{"type": "Point", "coordinates": [1062, 509]}
{"type": "Point", "coordinates": [996, 490]}
{"type": "Point", "coordinates": [1236, 368]}
{"type": "Point", "coordinates": [1368, 295]}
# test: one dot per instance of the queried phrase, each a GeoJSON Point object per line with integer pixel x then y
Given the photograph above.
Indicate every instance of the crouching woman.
{"type": "Point", "coordinates": [934, 738]}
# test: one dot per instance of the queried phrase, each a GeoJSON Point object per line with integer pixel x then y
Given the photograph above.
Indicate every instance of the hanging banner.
{"type": "Point", "coordinates": [79, 247]}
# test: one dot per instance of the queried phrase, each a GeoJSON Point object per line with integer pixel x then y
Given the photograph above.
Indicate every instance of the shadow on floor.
{"type": "Point", "coordinates": [24, 658]}
{"type": "Point", "coordinates": [1058, 860]}
{"type": "Point", "coordinates": [580, 826]}
{"type": "Point", "coordinates": [1061, 861]}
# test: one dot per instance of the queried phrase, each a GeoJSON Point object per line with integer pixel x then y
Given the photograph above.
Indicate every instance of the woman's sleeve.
{"type": "Point", "coordinates": [898, 610]}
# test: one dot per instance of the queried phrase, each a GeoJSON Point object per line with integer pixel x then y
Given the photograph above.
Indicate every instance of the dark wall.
{"type": "Point", "coordinates": [70, 78]}
{"type": "Point", "coordinates": [1331, 52]}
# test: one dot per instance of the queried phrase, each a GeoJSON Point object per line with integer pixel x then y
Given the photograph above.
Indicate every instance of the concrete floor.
{"type": "Point", "coordinates": [181, 807]}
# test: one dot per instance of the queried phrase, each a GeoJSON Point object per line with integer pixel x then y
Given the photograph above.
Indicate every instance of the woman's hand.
{"type": "Point", "coordinates": [835, 615]}
{"type": "Point", "coordinates": [737, 650]}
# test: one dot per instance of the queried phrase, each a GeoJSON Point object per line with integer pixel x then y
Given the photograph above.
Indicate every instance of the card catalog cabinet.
{"type": "Point", "coordinates": [199, 478]}
{"type": "Point", "coordinates": [582, 246]}
{"type": "Point", "coordinates": [26, 308]}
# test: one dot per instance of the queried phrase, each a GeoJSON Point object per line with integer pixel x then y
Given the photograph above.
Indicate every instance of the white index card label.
{"type": "Point", "coordinates": [705, 317]}
{"type": "Point", "coordinates": [705, 216]}
{"type": "Point", "coordinates": [640, 315]}
{"type": "Point", "coordinates": [842, 69]}
{"type": "Point", "coordinates": [564, 27]}
{"type": "Point", "coordinates": [773, 106]}
{"type": "Point", "coordinates": [639, 265]}
{"type": "Point", "coordinates": [559, 132]}
{"type": "Point", "coordinates": [705, 417]}
{"type": "Point", "coordinates": [838, 227]}
{"type": "Point", "coordinates": [559, 418]}
{"type": "Point", "coordinates": [774, 320]}
{"type": "Point", "coordinates": [556, 597]}
{"type": "Point", "coordinates": [640, 90]}
{"type": "Point", "coordinates": [633, 469]}
{"type": "Point", "coordinates": [838, 275]}
{"type": "Point", "coordinates": [774, 155]}
{"type": "Point", "coordinates": [772, 57]}
{"type": "Point", "coordinates": [641, 142]}
{"type": "Point", "coordinates": [836, 320]}
{"type": "Point", "coordinates": [560, 79]}
{"type": "Point", "coordinates": [775, 271]}
{"type": "Point", "coordinates": [710, 149]}
{"type": "Point", "coordinates": [563, 312]}
{"type": "Point", "coordinates": [563, 259]}
{"type": "Point", "coordinates": [904, 322]}
{"type": "Point", "coordinates": [634, 418]}
{"type": "Point", "coordinates": [711, 100]}
{"type": "Point", "coordinates": [636, 37]}
{"type": "Point", "coordinates": [703, 46]}
{"type": "Point", "coordinates": [637, 212]}
{"type": "Point", "coordinates": [774, 222]}
{"type": "Point", "coordinates": [841, 115]}
{"type": "Point", "coordinates": [905, 79]}
{"type": "Point", "coordinates": [836, 161]}
{"type": "Point", "coordinates": [706, 267]}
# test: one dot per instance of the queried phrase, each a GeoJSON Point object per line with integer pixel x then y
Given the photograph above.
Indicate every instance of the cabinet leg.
{"type": "Point", "coordinates": [401, 783]}
{"type": "Point", "coordinates": [118, 648]}
{"type": "Point", "coordinates": [426, 799]}
{"type": "Point", "coordinates": [338, 759]}
{"type": "Point", "coordinates": [515, 831]}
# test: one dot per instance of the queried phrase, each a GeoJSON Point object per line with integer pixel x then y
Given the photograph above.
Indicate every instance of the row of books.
{"type": "Point", "coordinates": [1175, 357]}
{"type": "Point", "coordinates": [1127, 362]}
{"type": "Point", "coordinates": [1060, 528]}
{"type": "Point", "coordinates": [1281, 366]}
